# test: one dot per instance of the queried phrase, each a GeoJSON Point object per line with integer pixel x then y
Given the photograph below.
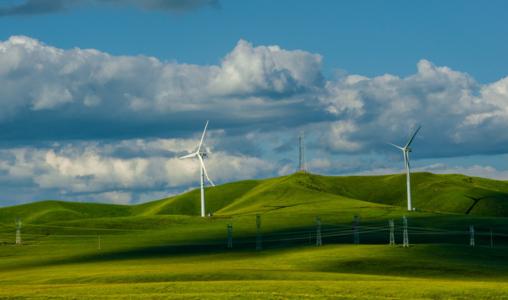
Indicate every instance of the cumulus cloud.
{"type": "Point", "coordinates": [35, 7]}
{"type": "Point", "coordinates": [459, 115]}
{"type": "Point", "coordinates": [96, 171]}
{"type": "Point", "coordinates": [250, 85]}
{"type": "Point", "coordinates": [267, 70]}
{"type": "Point", "coordinates": [86, 123]}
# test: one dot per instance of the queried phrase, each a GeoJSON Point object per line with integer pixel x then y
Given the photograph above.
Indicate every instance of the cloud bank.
{"type": "Point", "coordinates": [85, 123]}
{"type": "Point", "coordinates": [100, 171]}
{"type": "Point", "coordinates": [111, 94]}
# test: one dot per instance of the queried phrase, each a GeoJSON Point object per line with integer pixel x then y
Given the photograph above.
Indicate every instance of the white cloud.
{"type": "Point", "coordinates": [51, 96]}
{"type": "Point", "coordinates": [93, 170]}
{"type": "Point", "coordinates": [319, 164]}
{"type": "Point", "coordinates": [336, 136]}
{"type": "Point", "coordinates": [42, 77]}
{"type": "Point", "coordinates": [459, 115]}
{"type": "Point", "coordinates": [264, 85]}
{"type": "Point", "coordinates": [258, 70]}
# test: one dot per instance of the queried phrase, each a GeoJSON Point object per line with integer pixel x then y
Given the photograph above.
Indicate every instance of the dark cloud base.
{"type": "Point", "coordinates": [37, 7]}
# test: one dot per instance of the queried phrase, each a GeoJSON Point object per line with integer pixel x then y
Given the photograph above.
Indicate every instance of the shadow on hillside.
{"type": "Point", "coordinates": [422, 230]}
{"type": "Point", "coordinates": [195, 247]}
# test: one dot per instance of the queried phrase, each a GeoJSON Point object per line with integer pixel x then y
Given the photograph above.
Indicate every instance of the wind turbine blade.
{"type": "Point", "coordinates": [202, 137]}
{"type": "Point", "coordinates": [412, 137]}
{"type": "Point", "coordinates": [204, 170]}
{"type": "Point", "coordinates": [398, 147]}
{"type": "Point", "coordinates": [188, 155]}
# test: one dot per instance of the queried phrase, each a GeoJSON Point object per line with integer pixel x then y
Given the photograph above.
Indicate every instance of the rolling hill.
{"type": "Point", "coordinates": [431, 192]}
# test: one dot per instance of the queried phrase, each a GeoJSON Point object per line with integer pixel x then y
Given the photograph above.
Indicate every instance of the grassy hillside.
{"type": "Point", "coordinates": [446, 193]}
{"type": "Point", "coordinates": [434, 193]}
{"type": "Point", "coordinates": [439, 193]}
{"type": "Point", "coordinates": [49, 211]}
{"type": "Point", "coordinates": [288, 203]}
{"type": "Point", "coordinates": [163, 248]}
{"type": "Point", "coordinates": [188, 203]}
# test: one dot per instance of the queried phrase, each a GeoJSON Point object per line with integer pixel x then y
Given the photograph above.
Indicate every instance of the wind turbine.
{"type": "Point", "coordinates": [201, 155]}
{"type": "Point", "coordinates": [405, 152]}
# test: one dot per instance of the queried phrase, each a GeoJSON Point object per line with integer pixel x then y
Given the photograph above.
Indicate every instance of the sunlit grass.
{"type": "Point", "coordinates": [163, 249]}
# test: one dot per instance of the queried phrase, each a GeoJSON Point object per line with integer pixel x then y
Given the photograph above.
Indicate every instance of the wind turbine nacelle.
{"type": "Point", "coordinates": [203, 154]}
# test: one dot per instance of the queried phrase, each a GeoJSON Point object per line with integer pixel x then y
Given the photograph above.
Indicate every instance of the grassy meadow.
{"type": "Point", "coordinates": [163, 249]}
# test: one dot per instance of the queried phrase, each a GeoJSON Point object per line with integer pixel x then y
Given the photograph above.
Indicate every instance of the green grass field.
{"type": "Point", "coordinates": [163, 249]}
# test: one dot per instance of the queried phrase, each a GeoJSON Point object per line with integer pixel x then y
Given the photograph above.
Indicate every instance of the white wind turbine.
{"type": "Point", "coordinates": [405, 151]}
{"type": "Point", "coordinates": [201, 155]}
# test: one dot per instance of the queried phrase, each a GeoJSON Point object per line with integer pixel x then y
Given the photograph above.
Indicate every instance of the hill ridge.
{"type": "Point", "coordinates": [453, 193]}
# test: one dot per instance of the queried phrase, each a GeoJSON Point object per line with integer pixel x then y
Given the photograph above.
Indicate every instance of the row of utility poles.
{"type": "Point", "coordinates": [319, 241]}
{"type": "Point", "coordinates": [355, 233]}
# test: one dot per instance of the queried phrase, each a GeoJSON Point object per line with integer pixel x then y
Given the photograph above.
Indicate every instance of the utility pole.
{"type": "Point", "coordinates": [230, 236]}
{"type": "Point", "coordinates": [18, 231]}
{"type": "Point", "coordinates": [405, 235]}
{"type": "Point", "coordinates": [301, 152]}
{"type": "Point", "coordinates": [392, 232]}
{"type": "Point", "coordinates": [259, 238]}
{"type": "Point", "coordinates": [471, 235]}
{"type": "Point", "coordinates": [356, 234]}
{"type": "Point", "coordinates": [319, 242]}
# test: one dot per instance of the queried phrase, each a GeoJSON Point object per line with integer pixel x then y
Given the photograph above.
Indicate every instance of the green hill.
{"type": "Point", "coordinates": [49, 211]}
{"type": "Point", "coordinates": [188, 203]}
{"type": "Point", "coordinates": [433, 193]}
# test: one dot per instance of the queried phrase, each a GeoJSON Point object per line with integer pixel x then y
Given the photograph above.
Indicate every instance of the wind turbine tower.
{"type": "Point", "coordinates": [301, 152]}
{"type": "Point", "coordinates": [405, 152]}
{"type": "Point", "coordinates": [201, 154]}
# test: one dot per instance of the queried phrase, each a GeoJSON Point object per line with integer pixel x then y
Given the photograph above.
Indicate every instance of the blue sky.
{"type": "Point", "coordinates": [363, 37]}
{"type": "Point", "coordinates": [105, 124]}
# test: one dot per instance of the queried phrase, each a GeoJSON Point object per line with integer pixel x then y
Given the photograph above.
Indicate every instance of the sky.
{"type": "Point", "coordinates": [98, 98]}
